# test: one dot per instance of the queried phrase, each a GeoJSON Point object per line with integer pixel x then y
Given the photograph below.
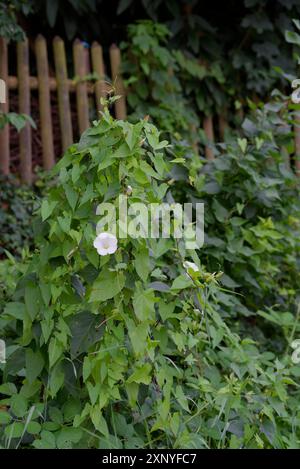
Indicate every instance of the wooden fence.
{"type": "Point", "coordinates": [46, 82]}
{"type": "Point", "coordinates": [85, 61]}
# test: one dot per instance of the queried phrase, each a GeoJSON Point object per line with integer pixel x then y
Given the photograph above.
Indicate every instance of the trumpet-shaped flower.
{"type": "Point", "coordinates": [106, 243]}
{"type": "Point", "coordinates": [190, 265]}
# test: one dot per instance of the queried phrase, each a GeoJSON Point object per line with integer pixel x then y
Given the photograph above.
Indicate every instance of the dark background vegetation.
{"type": "Point", "coordinates": [246, 37]}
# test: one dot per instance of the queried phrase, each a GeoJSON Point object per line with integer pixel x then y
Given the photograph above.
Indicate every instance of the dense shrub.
{"type": "Point", "coordinates": [252, 205]}
{"type": "Point", "coordinates": [250, 191]}
{"type": "Point", "coordinates": [252, 225]}
{"type": "Point", "coordinates": [151, 73]}
{"type": "Point", "coordinates": [17, 205]}
{"type": "Point", "coordinates": [10, 272]}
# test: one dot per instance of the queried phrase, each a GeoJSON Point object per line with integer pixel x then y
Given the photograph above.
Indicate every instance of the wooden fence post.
{"type": "Point", "coordinates": [4, 133]}
{"type": "Point", "coordinates": [115, 63]}
{"type": "Point", "coordinates": [81, 86]}
{"type": "Point", "coordinates": [209, 132]}
{"type": "Point", "coordinates": [24, 108]}
{"type": "Point", "coordinates": [98, 67]}
{"type": "Point", "coordinates": [63, 93]}
{"type": "Point", "coordinates": [223, 124]}
{"type": "Point", "coordinates": [194, 138]}
{"type": "Point", "coordinates": [44, 102]}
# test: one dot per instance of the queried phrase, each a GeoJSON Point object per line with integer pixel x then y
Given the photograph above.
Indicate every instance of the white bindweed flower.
{"type": "Point", "coordinates": [106, 243]}
{"type": "Point", "coordinates": [2, 351]}
{"type": "Point", "coordinates": [296, 94]}
{"type": "Point", "coordinates": [190, 265]}
{"type": "Point", "coordinates": [128, 190]}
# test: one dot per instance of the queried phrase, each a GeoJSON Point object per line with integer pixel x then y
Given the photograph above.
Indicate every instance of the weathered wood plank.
{"type": "Point", "coordinates": [209, 132]}
{"type": "Point", "coordinates": [223, 124]}
{"type": "Point", "coordinates": [44, 102]}
{"type": "Point", "coordinates": [98, 67]}
{"type": "Point", "coordinates": [115, 63]}
{"type": "Point", "coordinates": [81, 85]}
{"type": "Point", "coordinates": [63, 92]}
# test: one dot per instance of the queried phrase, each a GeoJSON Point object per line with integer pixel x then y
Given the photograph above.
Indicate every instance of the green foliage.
{"type": "Point", "coordinates": [150, 72]}
{"type": "Point", "coordinates": [252, 210]}
{"type": "Point", "coordinates": [293, 37]}
{"type": "Point", "coordinates": [9, 27]}
{"type": "Point", "coordinates": [135, 349]}
{"type": "Point", "coordinates": [17, 204]}
{"type": "Point", "coordinates": [10, 273]}
{"type": "Point", "coordinates": [251, 196]}
{"type": "Point", "coordinates": [241, 43]}
{"type": "Point", "coordinates": [170, 86]}
{"type": "Point", "coordinates": [16, 120]}
{"type": "Point", "coordinates": [71, 15]}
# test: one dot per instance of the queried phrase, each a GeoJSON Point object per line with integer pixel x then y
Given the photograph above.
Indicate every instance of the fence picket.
{"type": "Point", "coordinates": [115, 63]}
{"type": "Point", "coordinates": [44, 102]}
{"type": "Point", "coordinates": [63, 92]}
{"type": "Point", "coordinates": [209, 132]}
{"type": "Point", "coordinates": [98, 67]}
{"type": "Point", "coordinates": [223, 124]}
{"type": "Point", "coordinates": [81, 86]}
